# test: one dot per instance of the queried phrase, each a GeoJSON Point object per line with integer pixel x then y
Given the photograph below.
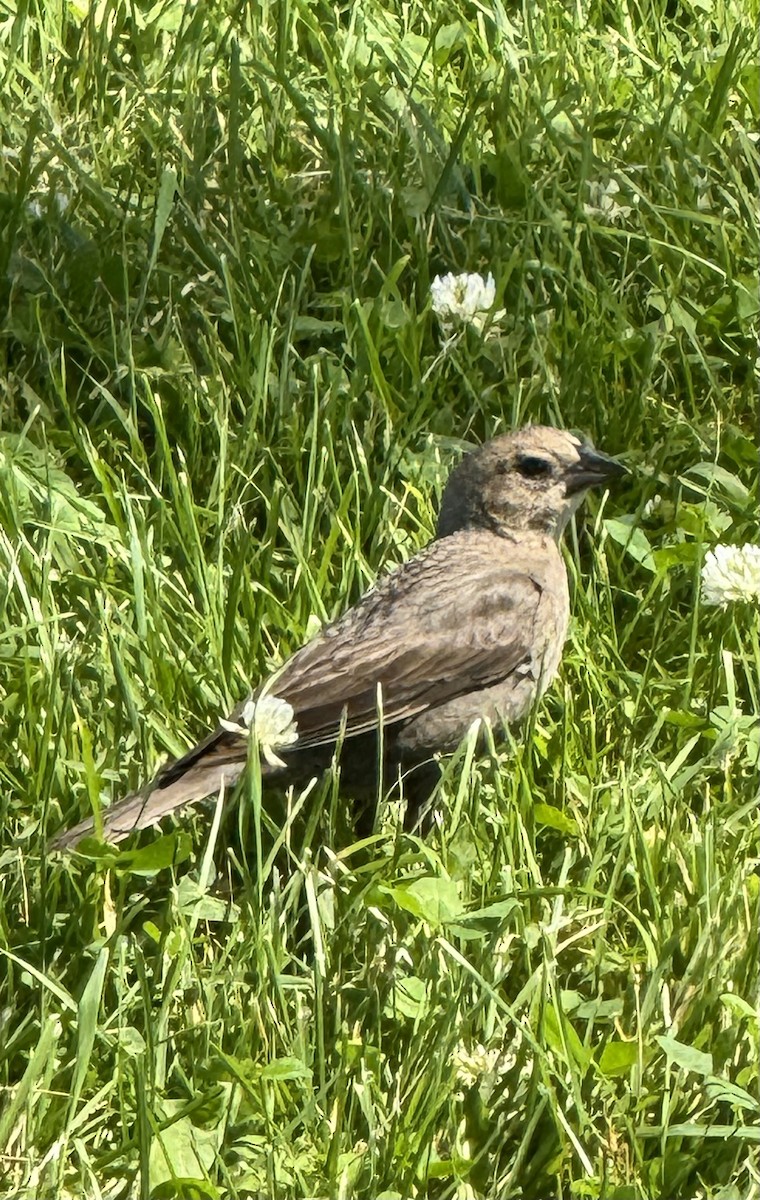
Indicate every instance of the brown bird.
{"type": "Point", "coordinates": [471, 627]}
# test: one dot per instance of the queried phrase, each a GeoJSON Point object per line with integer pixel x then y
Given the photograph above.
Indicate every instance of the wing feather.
{"type": "Point", "coordinates": [407, 635]}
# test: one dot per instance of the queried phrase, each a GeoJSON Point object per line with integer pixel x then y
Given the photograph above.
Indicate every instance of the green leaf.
{"type": "Point", "coordinates": [167, 851]}
{"type": "Point", "coordinates": [695, 1129]}
{"type": "Point", "coordinates": [682, 554]}
{"type": "Point", "coordinates": [43, 493]}
{"type": "Point", "coordinates": [617, 1058]}
{"type": "Point", "coordinates": [408, 998]}
{"type": "Point", "coordinates": [564, 1040]}
{"type": "Point", "coordinates": [633, 540]}
{"type": "Point", "coordinates": [164, 204]}
{"type": "Point", "coordinates": [38, 1060]}
{"type": "Point", "coordinates": [730, 1093]}
{"type": "Point", "coordinates": [87, 1024]}
{"type": "Point", "coordinates": [721, 478]}
{"type": "Point", "coordinates": [431, 898]}
{"type": "Point", "coordinates": [181, 1156]}
{"type": "Point", "coordinates": [498, 911]}
{"type": "Point", "coordinates": [131, 1041]}
{"type": "Point", "coordinates": [285, 1068]}
{"type": "Point", "coordinates": [195, 902]}
{"type": "Point", "coordinates": [739, 1006]}
{"type": "Point", "coordinates": [685, 1056]}
{"type": "Point", "coordinates": [552, 817]}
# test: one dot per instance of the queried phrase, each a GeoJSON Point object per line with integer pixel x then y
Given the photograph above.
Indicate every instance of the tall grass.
{"type": "Point", "coordinates": [226, 407]}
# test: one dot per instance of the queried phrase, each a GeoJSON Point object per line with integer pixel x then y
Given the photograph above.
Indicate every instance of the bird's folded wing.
{"type": "Point", "coordinates": [399, 660]}
{"type": "Point", "coordinates": [453, 619]}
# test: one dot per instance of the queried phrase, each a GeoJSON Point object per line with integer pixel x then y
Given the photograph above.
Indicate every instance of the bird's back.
{"type": "Point", "coordinates": [473, 626]}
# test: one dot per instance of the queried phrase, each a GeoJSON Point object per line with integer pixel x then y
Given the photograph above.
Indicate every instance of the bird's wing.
{"type": "Point", "coordinates": [450, 621]}
{"type": "Point", "coordinates": [467, 613]}
{"type": "Point", "coordinates": [458, 617]}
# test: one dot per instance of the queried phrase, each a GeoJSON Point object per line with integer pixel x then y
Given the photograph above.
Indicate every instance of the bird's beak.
{"type": "Point", "coordinates": [593, 468]}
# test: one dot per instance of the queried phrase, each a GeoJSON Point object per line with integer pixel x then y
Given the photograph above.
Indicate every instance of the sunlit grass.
{"type": "Point", "coordinates": [226, 407]}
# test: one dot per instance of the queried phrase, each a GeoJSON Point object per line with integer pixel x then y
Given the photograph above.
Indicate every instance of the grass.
{"type": "Point", "coordinates": [225, 408]}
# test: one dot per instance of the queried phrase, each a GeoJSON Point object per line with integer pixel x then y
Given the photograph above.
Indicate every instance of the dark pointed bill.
{"type": "Point", "coordinates": [593, 468]}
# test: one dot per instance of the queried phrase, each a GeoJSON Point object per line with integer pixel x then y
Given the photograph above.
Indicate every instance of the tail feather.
{"type": "Point", "coordinates": [150, 805]}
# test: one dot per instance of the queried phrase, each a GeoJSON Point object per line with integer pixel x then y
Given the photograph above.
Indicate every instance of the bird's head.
{"type": "Point", "coordinates": [533, 479]}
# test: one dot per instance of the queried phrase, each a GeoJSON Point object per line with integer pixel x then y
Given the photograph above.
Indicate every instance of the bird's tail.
{"type": "Point", "coordinates": [148, 806]}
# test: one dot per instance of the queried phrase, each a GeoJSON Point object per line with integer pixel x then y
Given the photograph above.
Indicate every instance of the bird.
{"type": "Point", "coordinates": [470, 628]}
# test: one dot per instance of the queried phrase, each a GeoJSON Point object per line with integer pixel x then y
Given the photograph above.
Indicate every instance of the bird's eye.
{"type": "Point", "coordinates": [533, 467]}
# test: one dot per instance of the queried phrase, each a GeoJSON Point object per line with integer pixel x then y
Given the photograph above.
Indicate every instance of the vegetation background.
{"type": "Point", "coordinates": [226, 406]}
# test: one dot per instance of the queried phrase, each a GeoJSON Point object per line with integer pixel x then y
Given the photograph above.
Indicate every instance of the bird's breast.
{"type": "Point", "coordinates": [496, 614]}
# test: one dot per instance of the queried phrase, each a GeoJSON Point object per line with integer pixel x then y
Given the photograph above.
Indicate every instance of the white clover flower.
{"type": "Point", "coordinates": [478, 1066]}
{"type": "Point", "coordinates": [463, 298]}
{"type": "Point", "coordinates": [731, 573]}
{"type": "Point", "coordinates": [36, 211]}
{"type": "Point", "coordinates": [270, 719]}
{"type": "Point", "coordinates": [603, 204]}
{"type": "Point", "coordinates": [470, 1066]}
{"type": "Point", "coordinates": [651, 506]}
